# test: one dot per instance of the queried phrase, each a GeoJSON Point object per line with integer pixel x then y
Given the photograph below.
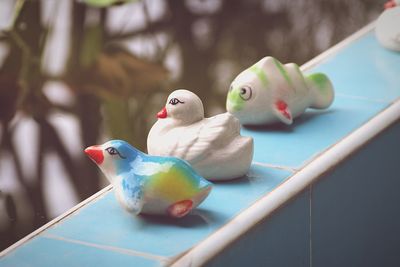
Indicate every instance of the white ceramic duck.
{"type": "Point", "coordinates": [213, 146]}
{"type": "Point", "coordinates": [270, 92]}
{"type": "Point", "coordinates": [387, 29]}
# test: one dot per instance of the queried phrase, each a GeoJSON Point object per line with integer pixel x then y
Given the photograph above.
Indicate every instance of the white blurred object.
{"type": "Point", "coordinates": [387, 29]}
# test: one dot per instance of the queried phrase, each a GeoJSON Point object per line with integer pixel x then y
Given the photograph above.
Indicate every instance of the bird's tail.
{"type": "Point", "coordinates": [322, 90]}
{"type": "Point", "coordinates": [204, 192]}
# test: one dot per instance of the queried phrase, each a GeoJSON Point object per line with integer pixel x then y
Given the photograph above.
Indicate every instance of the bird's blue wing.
{"type": "Point", "coordinates": [132, 193]}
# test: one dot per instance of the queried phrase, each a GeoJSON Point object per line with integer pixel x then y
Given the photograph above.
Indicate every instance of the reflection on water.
{"type": "Point", "coordinates": [73, 75]}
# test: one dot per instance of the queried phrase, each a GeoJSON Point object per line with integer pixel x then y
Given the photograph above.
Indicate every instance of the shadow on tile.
{"type": "Point", "coordinates": [283, 128]}
{"type": "Point", "coordinates": [311, 115]}
{"type": "Point", "coordinates": [236, 181]}
{"type": "Point", "coordinates": [198, 218]}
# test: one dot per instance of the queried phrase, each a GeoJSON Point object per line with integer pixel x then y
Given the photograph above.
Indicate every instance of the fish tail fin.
{"type": "Point", "coordinates": [322, 89]}
{"type": "Point", "coordinates": [202, 194]}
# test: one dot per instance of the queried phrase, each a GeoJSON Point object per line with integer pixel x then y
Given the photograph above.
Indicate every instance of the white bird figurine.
{"type": "Point", "coordinates": [387, 28]}
{"type": "Point", "coordinates": [213, 146]}
{"type": "Point", "coordinates": [270, 92]}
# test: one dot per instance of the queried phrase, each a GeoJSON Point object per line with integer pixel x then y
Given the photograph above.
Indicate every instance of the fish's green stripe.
{"type": "Point", "coordinates": [234, 100]}
{"type": "Point", "coordinates": [321, 80]}
{"type": "Point", "coordinates": [260, 74]}
{"type": "Point", "coordinates": [283, 71]}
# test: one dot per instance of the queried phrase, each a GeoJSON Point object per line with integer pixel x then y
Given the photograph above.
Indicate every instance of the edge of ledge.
{"type": "Point", "coordinates": [55, 220]}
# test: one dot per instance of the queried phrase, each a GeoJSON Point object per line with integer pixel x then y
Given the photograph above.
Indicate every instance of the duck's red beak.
{"type": "Point", "coordinates": [95, 153]}
{"type": "Point", "coordinates": [390, 4]}
{"type": "Point", "coordinates": [162, 114]}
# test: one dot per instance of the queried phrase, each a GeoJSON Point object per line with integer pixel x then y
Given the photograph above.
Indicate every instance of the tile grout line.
{"type": "Point", "coordinates": [311, 158]}
{"type": "Point", "coordinates": [278, 167]}
{"type": "Point", "coordinates": [108, 248]}
{"type": "Point", "coordinates": [56, 220]}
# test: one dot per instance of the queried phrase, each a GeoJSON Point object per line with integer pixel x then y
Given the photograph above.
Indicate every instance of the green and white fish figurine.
{"type": "Point", "coordinates": [269, 92]}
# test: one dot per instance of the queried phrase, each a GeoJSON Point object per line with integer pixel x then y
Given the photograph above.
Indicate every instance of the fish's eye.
{"type": "Point", "coordinates": [175, 101]}
{"type": "Point", "coordinates": [245, 92]}
{"type": "Point", "coordinates": [113, 151]}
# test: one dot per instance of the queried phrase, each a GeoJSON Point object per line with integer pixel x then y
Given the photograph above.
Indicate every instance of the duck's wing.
{"type": "Point", "coordinates": [202, 139]}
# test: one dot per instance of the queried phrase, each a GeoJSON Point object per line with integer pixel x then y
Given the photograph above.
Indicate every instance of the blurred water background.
{"type": "Point", "coordinates": [76, 73]}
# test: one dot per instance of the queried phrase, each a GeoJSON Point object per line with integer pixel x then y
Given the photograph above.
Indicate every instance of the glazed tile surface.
{"type": "Point", "coordinates": [364, 69]}
{"type": "Point", "coordinates": [103, 222]}
{"type": "Point", "coordinates": [312, 133]}
{"type": "Point", "coordinates": [45, 252]}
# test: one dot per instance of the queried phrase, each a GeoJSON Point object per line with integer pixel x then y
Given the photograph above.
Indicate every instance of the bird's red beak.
{"type": "Point", "coordinates": [162, 114]}
{"type": "Point", "coordinates": [95, 153]}
{"type": "Point", "coordinates": [390, 4]}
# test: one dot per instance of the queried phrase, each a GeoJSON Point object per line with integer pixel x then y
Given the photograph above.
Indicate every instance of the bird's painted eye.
{"type": "Point", "coordinates": [245, 92]}
{"type": "Point", "coordinates": [113, 151]}
{"type": "Point", "coordinates": [231, 88]}
{"type": "Point", "coordinates": [175, 101]}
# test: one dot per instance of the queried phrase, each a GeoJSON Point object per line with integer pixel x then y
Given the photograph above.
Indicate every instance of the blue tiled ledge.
{"type": "Point", "coordinates": [366, 78]}
{"type": "Point", "coordinates": [162, 236]}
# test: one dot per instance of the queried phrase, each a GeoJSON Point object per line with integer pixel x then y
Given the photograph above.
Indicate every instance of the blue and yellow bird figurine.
{"type": "Point", "coordinates": [149, 184]}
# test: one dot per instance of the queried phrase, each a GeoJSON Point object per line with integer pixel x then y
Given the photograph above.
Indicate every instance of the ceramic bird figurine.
{"type": "Point", "coordinates": [270, 92]}
{"type": "Point", "coordinates": [387, 29]}
{"type": "Point", "coordinates": [149, 184]}
{"type": "Point", "coordinates": [213, 146]}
